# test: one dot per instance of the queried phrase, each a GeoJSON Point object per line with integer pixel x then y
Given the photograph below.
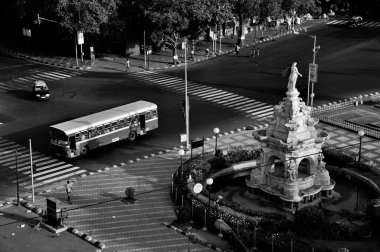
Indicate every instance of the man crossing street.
{"type": "Point", "coordinates": [69, 190]}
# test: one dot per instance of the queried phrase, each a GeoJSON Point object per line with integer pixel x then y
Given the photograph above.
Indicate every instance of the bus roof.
{"type": "Point", "coordinates": [93, 120]}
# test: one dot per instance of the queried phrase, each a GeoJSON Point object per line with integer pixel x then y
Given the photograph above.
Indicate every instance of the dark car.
{"type": "Point", "coordinates": [355, 21]}
{"type": "Point", "coordinates": [40, 90]}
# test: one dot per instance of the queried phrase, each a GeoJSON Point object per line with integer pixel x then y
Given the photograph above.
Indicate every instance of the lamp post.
{"type": "Point", "coordinates": [360, 134]}
{"type": "Point", "coordinates": [181, 152]}
{"type": "Point", "coordinates": [209, 182]}
{"type": "Point", "coordinates": [216, 132]}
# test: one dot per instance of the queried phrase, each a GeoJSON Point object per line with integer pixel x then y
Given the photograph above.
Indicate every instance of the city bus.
{"type": "Point", "coordinates": [78, 136]}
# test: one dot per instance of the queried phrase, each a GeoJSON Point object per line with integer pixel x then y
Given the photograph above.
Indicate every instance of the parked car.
{"type": "Point", "coordinates": [40, 90]}
{"type": "Point", "coordinates": [355, 21]}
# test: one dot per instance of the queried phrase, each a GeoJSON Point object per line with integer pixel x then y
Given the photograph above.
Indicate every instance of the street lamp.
{"type": "Point", "coordinates": [360, 134]}
{"type": "Point", "coordinates": [181, 152]}
{"type": "Point", "coordinates": [315, 51]}
{"type": "Point", "coordinates": [209, 182]}
{"type": "Point", "coordinates": [216, 132]}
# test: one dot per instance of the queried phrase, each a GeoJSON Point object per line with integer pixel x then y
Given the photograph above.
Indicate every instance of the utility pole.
{"type": "Point", "coordinates": [186, 101]}
{"type": "Point", "coordinates": [18, 188]}
{"type": "Point", "coordinates": [144, 51]}
{"type": "Point", "coordinates": [312, 83]}
{"type": "Point", "coordinates": [31, 166]}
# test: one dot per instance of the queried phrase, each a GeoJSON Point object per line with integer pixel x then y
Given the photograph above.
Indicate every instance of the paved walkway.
{"type": "Point", "coordinates": [157, 60]}
{"type": "Point", "coordinates": [98, 212]}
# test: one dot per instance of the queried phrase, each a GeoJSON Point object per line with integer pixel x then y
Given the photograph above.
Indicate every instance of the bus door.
{"type": "Point", "coordinates": [72, 142]}
{"type": "Point", "coordinates": [142, 122]}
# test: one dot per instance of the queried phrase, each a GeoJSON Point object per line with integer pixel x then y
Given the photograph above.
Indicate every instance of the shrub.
{"type": "Point", "coordinates": [242, 153]}
{"type": "Point", "coordinates": [312, 222]}
{"type": "Point", "coordinates": [199, 169]}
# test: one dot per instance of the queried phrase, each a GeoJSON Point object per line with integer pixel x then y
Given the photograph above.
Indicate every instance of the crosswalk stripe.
{"type": "Point", "coordinates": [49, 170]}
{"type": "Point", "coordinates": [45, 182]}
{"type": "Point", "coordinates": [32, 75]}
{"type": "Point", "coordinates": [218, 96]}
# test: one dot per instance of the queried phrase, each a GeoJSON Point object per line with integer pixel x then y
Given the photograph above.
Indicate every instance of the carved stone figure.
{"type": "Point", "coordinates": [293, 77]}
{"type": "Point", "coordinates": [291, 171]}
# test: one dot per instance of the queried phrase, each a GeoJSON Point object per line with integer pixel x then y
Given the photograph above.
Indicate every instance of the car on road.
{"type": "Point", "coordinates": [355, 21]}
{"type": "Point", "coordinates": [40, 90]}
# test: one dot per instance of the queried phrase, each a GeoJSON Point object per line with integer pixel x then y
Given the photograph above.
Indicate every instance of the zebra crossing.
{"type": "Point", "coordinates": [26, 81]}
{"type": "Point", "coordinates": [372, 24]}
{"type": "Point", "coordinates": [49, 170]}
{"type": "Point", "coordinates": [249, 107]}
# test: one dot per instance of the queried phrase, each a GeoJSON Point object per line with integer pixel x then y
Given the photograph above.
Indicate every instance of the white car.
{"type": "Point", "coordinates": [41, 90]}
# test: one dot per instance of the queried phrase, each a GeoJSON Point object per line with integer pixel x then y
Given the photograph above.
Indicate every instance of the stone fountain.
{"type": "Point", "coordinates": [292, 171]}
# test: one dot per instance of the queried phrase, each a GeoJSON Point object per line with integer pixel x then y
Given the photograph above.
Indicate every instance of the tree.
{"type": "Point", "coordinates": [175, 20]}
{"type": "Point", "coordinates": [244, 9]}
{"type": "Point", "coordinates": [298, 6]}
{"type": "Point", "coordinates": [85, 15]}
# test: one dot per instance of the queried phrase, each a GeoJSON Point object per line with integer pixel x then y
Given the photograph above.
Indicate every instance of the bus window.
{"type": "Point", "coordinates": [135, 119]}
{"type": "Point", "coordinates": [78, 136]}
{"type": "Point", "coordinates": [121, 123]}
{"type": "Point", "coordinates": [128, 122]}
{"type": "Point", "coordinates": [154, 113]}
{"type": "Point", "coordinates": [107, 127]}
{"type": "Point", "coordinates": [148, 115]}
{"type": "Point", "coordinates": [84, 135]}
{"type": "Point", "coordinates": [91, 132]}
{"type": "Point", "coordinates": [114, 125]}
{"type": "Point", "coordinates": [99, 130]}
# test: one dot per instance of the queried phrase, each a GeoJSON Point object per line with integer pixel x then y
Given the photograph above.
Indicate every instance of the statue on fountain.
{"type": "Point", "coordinates": [293, 77]}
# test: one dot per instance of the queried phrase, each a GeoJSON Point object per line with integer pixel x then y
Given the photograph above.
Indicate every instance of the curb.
{"type": "Point", "coordinates": [21, 55]}
{"type": "Point", "coordinates": [185, 233]}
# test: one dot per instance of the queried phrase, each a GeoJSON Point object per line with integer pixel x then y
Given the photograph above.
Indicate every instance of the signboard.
{"type": "Point", "coordinates": [182, 138]}
{"type": "Point", "coordinates": [80, 38]}
{"type": "Point", "coordinates": [197, 143]}
{"type": "Point", "coordinates": [26, 32]}
{"type": "Point", "coordinates": [313, 72]}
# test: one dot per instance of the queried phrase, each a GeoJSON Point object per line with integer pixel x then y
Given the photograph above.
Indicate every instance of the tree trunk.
{"type": "Point", "coordinates": [240, 33]}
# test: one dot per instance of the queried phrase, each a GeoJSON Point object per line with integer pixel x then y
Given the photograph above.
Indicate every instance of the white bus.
{"type": "Point", "coordinates": [77, 137]}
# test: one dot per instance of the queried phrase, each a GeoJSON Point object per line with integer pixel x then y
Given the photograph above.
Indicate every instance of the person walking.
{"type": "Point", "coordinates": [237, 49]}
{"type": "Point", "coordinates": [128, 65]}
{"type": "Point", "coordinates": [69, 190]}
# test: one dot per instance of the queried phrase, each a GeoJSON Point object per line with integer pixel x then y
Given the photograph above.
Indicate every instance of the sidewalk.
{"type": "Point", "coordinates": [157, 60]}
{"type": "Point", "coordinates": [93, 189]}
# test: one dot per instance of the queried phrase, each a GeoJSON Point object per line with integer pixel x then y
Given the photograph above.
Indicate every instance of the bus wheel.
{"type": "Point", "coordinates": [132, 136]}
{"type": "Point", "coordinates": [84, 151]}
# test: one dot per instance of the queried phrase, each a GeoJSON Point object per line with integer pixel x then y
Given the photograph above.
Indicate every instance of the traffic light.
{"type": "Point", "coordinates": [34, 168]}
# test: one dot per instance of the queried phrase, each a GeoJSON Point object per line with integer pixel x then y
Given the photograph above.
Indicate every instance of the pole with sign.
{"type": "Point", "coordinates": [80, 37]}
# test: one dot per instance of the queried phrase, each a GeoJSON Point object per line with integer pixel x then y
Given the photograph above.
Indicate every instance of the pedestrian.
{"type": "Point", "coordinates": [237, 48]}
{"type": "Point", "coordinates": [128, 65]}
{"type": "Point", "coordinates": [207, 52]}
{"type": "Point", "coordinates": [69, 190]}
{"type": "Point", "coordinates": [251, 53]}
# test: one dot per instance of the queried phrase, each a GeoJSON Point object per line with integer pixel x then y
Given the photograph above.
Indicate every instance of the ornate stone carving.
{"type": "Point", "coordinates": [291, 171]}
{"type": "Point", "coordinates": [293, 77]}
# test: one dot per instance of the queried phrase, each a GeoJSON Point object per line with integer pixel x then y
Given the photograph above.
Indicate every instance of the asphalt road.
{"type": "Point", "coordinates": [349, 61]}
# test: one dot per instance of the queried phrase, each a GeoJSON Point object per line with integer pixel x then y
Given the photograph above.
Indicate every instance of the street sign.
{"type": "Point", "coordinates": [313, 72]}
{"type": "Point", "coordinates": [26, 32]}
{"type": "Point", "coordinates": [80, 38]}
{"type": "Point", "coordinates": [197, 143]}
{"type": "Point", "coordinates": [182, 138]}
